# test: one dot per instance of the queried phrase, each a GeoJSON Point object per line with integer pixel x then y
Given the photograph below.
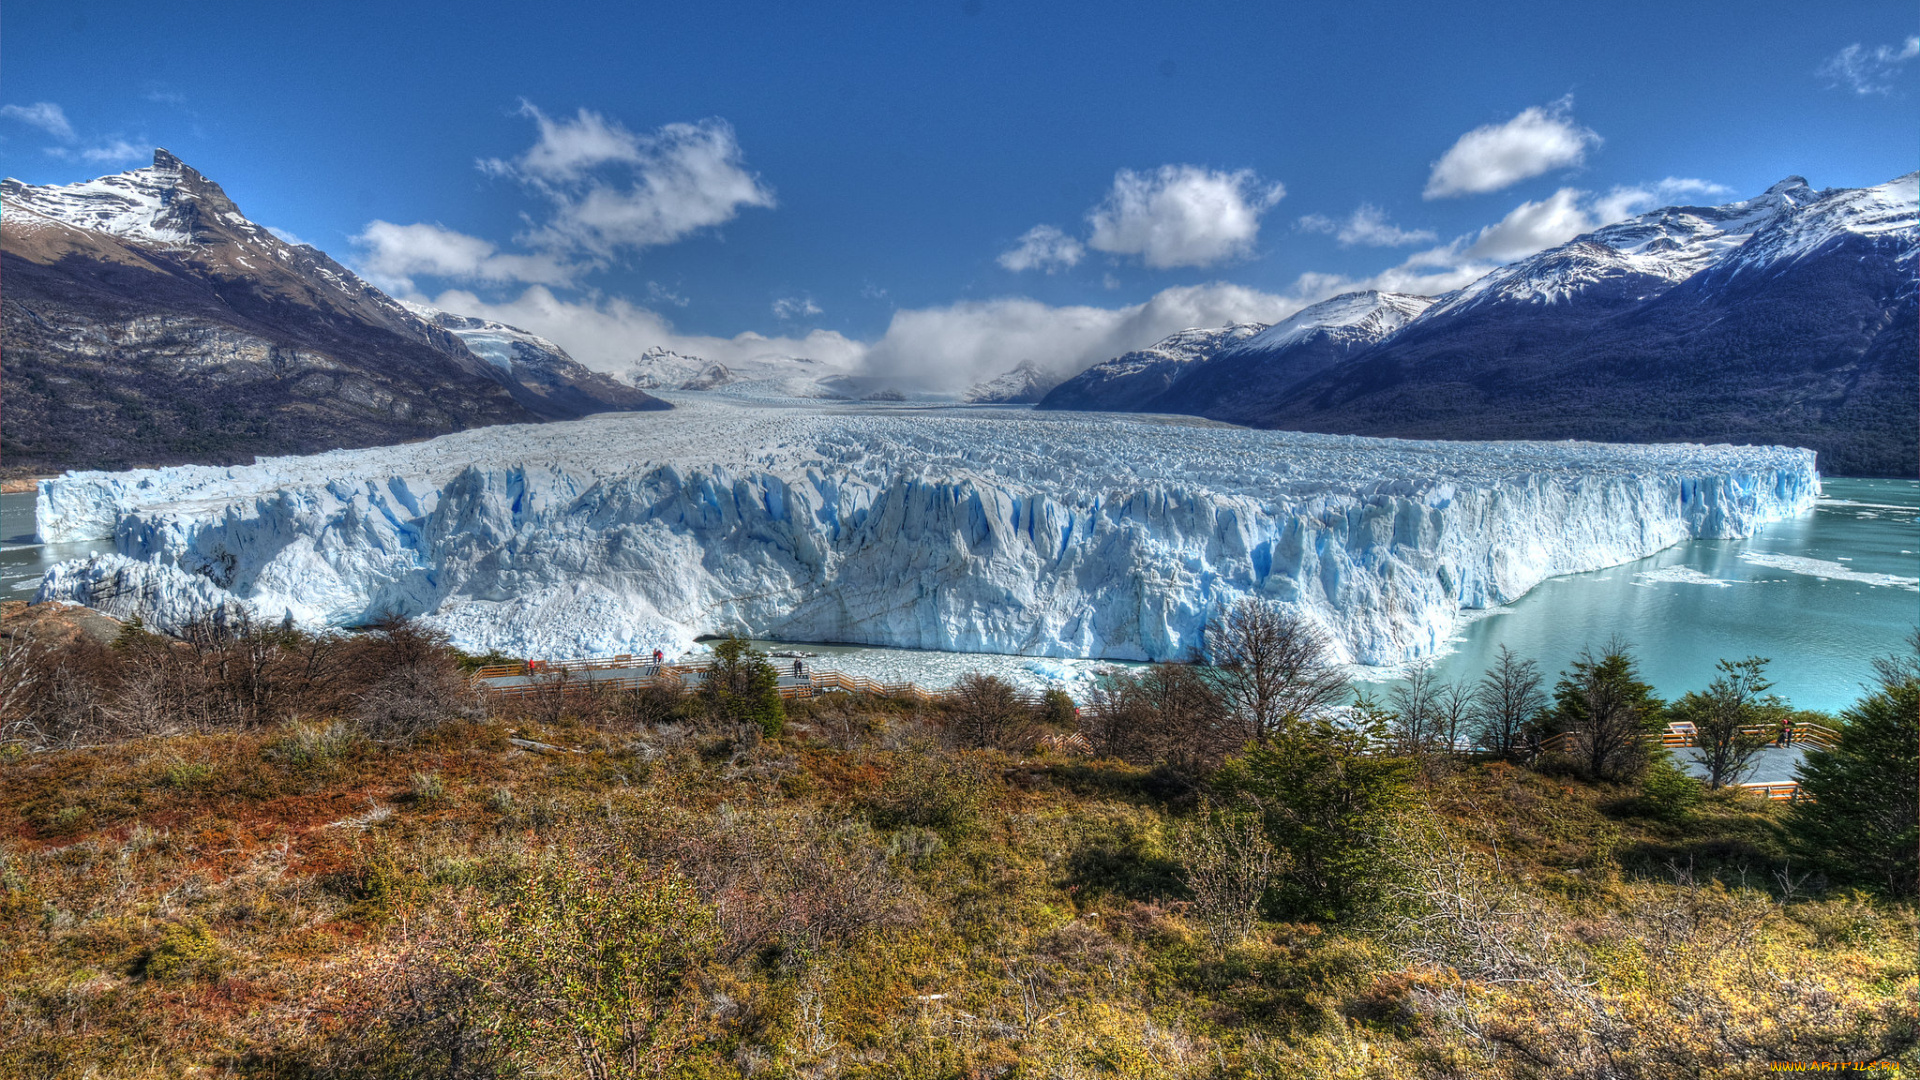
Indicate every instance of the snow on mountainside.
{"type": "Point", "coordinates": [1788, 317]}
{"type": "Point", "coordinates": [1365, 317]}
{"type": "Point", "coordinates": [215, 339]}
{"type": "Point", "coordinates": [771, 376]}
{"type": "Point", "coordinates": [660, 368]}
{"type": "Point", "coordinates": [967, 529]}
{"type": "Point", "coordinates": [1643, 254]}
{"type": "Point", "coordinates": [1130, 380]}
{"type": "Point", "coordinates": [540, 374]}
{"type": "Point", "coordinates": [1025, 384]}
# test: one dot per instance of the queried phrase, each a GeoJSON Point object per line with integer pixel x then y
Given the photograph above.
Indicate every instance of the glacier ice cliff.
{"type": "Point", "coordinates": [990, 530]}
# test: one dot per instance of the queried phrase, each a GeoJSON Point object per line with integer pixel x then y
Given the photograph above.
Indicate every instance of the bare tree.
{"type": "Point", "coordinates": [1169, 715]}
{"type": "Point", "coordinates": [1272, 666]}
{"type": "Point", "coordinates": [1508, 696]}
{"type": "Point", "coordinates": [1452, 713]}
{"type": "Point", "coordinates": [1227, 864]}
{"type": "Point", "coordinates": [1415, 704]}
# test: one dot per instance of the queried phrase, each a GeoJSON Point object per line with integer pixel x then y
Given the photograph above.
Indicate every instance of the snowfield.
{"type": "Point", "coordinates": [964, 529]}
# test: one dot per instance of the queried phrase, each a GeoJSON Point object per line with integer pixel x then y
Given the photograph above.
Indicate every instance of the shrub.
{"type": "Point", "coordinates": [989, 712]}
{"type": "Point", "coordinates": [1057, 709]}
{"type": "Point", "coordinates": [313, 746]}
{"type": "Point", "coordinates": [1228, 863]}
{"type": "Point", "coordinates": [186, 951]}
{"type": "Point", "coordinates": [427, 788]}
{"type": "Point", "coordinates": [933, 790]}
{"type": "Point", "coordinates": [1667, 791]}
{"type": "Point", "coordinates": [415, 698]}
{"type": "Point", "coordinates": [1326, 797]}
{"type": "Point", "coordinates": [594, 967]}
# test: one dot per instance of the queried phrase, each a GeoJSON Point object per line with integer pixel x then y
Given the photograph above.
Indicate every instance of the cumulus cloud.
{"type": "Point", "coordinates": [1182, 215]}
{"type": "Point", "coordinates": [1626, 201]}
{"type": "Point", "coordinates": [45, 115]}
{"type": "Point", "coordinates": [1367, 226]}
{"type": "Point", "coordinates": [1043, 247]}
{"type": "Point", "coordinates": [1531, 227]}
{"type": "Point", "coordinates": [795, 307]}
{"type": "Point", "coordinates": [1495, 156]}
{"type": "Point", "coordinates": [1869, 71]}
{"type": "Point", "coordinates": [938, 349]}
{"type": "Point", "coordinates": [615, 190]}
{"type": "Point", "coordinates": [955, 346]}
{"type": "Point", "coordinates": [392, 254]}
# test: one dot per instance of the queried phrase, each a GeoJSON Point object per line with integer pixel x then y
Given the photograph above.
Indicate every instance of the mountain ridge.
{"type": "Point", "coordinates": [1788, 316]}
{"type": "Point", "coordinates": [147, 321]}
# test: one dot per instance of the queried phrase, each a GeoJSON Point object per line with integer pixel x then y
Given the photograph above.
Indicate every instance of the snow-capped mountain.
{"type": "Point", "coordinates": [1128, 382]}
{"type": "Point", "coordinates": [540, 374]}
{"type": "Point", "coordinates": [1787, 317]}
{"type": "Point", "coordinates": [1306, 343]}
{"type": "Point", "coordinates": [770, 376]}
{"type": "Point", "coordinates": [660, 368]}
{"type": "Point", "coordinates": [147, 320]}
{"type": "Point", "coordinates": [1025, 384]}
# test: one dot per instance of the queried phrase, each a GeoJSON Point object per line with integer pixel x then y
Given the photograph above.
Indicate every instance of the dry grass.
{"type": "Point", "coordinates": [281, 901]}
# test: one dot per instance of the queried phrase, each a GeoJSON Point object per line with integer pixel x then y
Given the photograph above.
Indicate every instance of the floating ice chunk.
{"type": "Point", "coordinates": [1832, 571]}
{"type": "Point", "coordinates": [1679, 575]}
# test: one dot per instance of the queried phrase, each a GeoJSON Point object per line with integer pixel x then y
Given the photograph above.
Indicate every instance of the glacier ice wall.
{"type": "Point", "coordinates": [992, 530]}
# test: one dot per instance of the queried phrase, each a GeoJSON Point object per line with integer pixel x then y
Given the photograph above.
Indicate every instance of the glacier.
{"type": "Point", "coordinates": [972, 529]}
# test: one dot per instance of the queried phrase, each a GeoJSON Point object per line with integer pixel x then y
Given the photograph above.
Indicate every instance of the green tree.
{"type": "Point", "coordinates": [1862, 824]}
{"type": "Point", "coordinates": [742, 687]}
{"type": "Point", "coordinates": [1603, 702]}
{"type": "Point", "coordinates": [1722, 718]}
{"type": "Point", "coordinates": [1326, 793]}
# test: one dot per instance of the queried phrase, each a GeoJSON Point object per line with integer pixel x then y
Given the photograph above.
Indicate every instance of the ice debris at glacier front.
{"type": "Point", "coordinates": [979, 530]}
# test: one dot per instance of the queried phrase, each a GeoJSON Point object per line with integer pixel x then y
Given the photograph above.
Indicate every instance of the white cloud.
{"type": "Point", "coordinates": [1625, 202]}
{"type": "Point", "coordinates": [285, 236]}
{"type": "Point", "coordinates": [391, 254]}
{"type": "Point", "coordinates": [1367, 226]}
{"type": "Point", "coordinates": [1869, 71]}
{"type": "Point", "coordinates": [1492, 157]}
{"type": "Point", "coordinates": [1533, 226]}
{"type": "Point", "coordinates": [942, 349]}
{"type": "Point", "coordinates": [45, 115]}
{"type": "Point", "coordinates": [953, 347]}
{"type": "Point", "coordinates": [1043, 247]}
{"type": "Point", "coordinates": [614, 189]}
{"type": "Point", "coordinates": [1529, 228]}
{"type": "Point", "coordinates": [114, 152]}
{"type": "Point", "coordinates": [608, 333]}
{"type": "Point", "coordinates": [1182, 215]}
{"type": "Point", "coordinates": [795, 307]}
{"type": "Point", "coordinates": [660, 294]}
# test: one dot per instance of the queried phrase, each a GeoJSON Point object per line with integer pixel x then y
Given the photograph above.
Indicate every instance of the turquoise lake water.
{"type": "Point", "coordinates": [1821, 595]}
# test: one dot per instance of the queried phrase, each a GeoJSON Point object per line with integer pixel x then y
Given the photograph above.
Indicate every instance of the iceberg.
{"type": "Point", "coordinates": [1068, 535]}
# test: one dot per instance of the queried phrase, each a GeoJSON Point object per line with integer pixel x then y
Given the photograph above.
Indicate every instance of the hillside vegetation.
{"type": "Point", "coordinates": [257, 853]}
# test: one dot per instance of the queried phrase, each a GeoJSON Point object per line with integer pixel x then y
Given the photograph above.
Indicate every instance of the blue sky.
{"type": "Point", "coordinates": [942, 190]}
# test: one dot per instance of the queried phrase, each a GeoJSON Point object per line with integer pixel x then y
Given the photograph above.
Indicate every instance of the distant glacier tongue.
{"type": "Point", "coordinates": [1055, 534]}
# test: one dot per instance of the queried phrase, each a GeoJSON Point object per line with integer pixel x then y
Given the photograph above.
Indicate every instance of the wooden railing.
{"type": "Point", "coordinates": [1681, 734]}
